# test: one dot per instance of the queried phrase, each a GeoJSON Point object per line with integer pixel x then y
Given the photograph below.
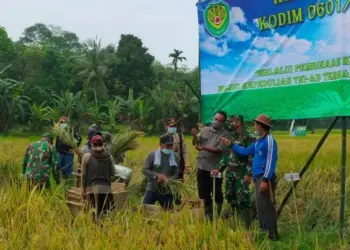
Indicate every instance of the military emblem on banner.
{"type": "Point", "coordinates": [217, 18]}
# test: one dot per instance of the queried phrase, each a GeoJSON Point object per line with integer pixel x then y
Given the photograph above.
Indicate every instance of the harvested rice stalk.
{"type": "Point", "coordinates": [65, 135]}
{"type": "Point", "coordinates": [177, 188]}
{"type": "Point", "coordinates": [122, 143]}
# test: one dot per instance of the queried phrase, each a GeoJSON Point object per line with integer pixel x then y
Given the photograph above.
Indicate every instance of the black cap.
{"type": "Point", "coordinates": [166, 139]}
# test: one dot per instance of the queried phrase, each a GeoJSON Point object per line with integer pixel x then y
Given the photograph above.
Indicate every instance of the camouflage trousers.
{"type": "Point", "coordinates": [237, 193]}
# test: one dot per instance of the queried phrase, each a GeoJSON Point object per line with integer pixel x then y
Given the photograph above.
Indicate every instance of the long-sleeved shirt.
{"type": "Point", "coordinates": [264, 152]}
{"type": "Point", "coordinates": [97, 172]}
{"type": "Point", "coordinates": [150, 170]}
{"type": "Point", "coordinates": [40, 156]}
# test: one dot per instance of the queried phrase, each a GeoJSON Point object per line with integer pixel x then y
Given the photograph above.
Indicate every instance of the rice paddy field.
{"type": "Point", "coordinates": [41, 220]}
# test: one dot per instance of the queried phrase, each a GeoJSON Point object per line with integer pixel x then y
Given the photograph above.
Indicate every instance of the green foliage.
{"type": "Point", "coordinates": [39, 116]}
{"type": "Point", "coordinates": [90, 83]}
{"type": "Point", "coordinates": [12, 102]}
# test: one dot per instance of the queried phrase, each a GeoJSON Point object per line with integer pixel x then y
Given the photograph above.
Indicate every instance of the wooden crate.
{"type": "Point", "coordinates": [118, 187]}
{"type": "Point", "coordinates": [194, 203]}
{"type": "Point", "coordinates": [120, 199]}
{"type": "Point", "coordinates": [151, 210]}
{"type": "Point", "coordinates": [75, 201]}
{"type": "Point", "coordinates": [75, 207]}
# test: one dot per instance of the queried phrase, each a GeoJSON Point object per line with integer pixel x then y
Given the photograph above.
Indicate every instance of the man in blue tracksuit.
{"type": "Point", "coordinates": [264, 152]}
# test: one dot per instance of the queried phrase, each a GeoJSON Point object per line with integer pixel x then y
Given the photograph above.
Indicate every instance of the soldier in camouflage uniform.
{"type": "Point", "coordinates": [238, 171]}
{"type": "Point", "coordinates": [40, 157]}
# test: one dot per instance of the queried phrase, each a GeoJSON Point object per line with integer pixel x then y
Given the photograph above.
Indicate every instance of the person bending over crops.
{"type": "Point", "coordinates": [238, 171]}
{"type": "Point", "coordinates": [65, 152]}
{"type": "Point", "coordinates": [39, 158]}
{"type": "Point", "coordinates": [160, 167]}
{"type": "Point", "coordinates": [97, 174]}
{"type": "Point", "coordinates": [210, 149]}
{"type": "Point", "coordinates": [264, 152]}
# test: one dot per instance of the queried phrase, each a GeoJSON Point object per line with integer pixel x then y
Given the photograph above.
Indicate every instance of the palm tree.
{"type": "Point", "coordinates": [114, 107]}
{"type": "Point", "coordinates": [176, 55]}
{"type": "Point", "coordinates": [12, 101]}
{"type": "Point", "coordinates": [93, 67]}
{"type": "Point", "coordinates": [66, 103]}
{"type": "Point", "coordinates": [40, 114]}
{"type": "Point", "coordinates": [83, 111]}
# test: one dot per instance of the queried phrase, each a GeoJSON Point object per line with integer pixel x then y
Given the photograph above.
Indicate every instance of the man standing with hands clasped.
{"type": "Point", "coordinates": [210, 152]}
{"type": "Point", "coordinates": [264, 152]}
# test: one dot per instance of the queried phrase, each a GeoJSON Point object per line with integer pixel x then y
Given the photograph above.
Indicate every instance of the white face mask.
{"type": "Point", "coordinates": [63, 125]}
{"type": "Point", "coordinates": [256, 133]}
{"type": "Point", "coordinates": [172, 130]}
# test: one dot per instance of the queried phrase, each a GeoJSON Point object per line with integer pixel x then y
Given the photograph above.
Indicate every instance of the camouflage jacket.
{"type": "Point", "coordinates": [232, 161]}
{"type": "Point", "coordinates": [40, 156]}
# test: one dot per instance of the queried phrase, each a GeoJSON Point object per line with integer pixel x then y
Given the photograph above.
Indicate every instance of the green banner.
{"type": "Point", "coordinates": [286, 59]}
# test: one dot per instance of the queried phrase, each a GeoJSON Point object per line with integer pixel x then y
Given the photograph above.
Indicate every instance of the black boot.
{"type": "Point", "coordinates": [209, 212]}
{"type": "Point", "coordinates": [246, 216]}
{"type": "Point", "coordinates": [218, 209]}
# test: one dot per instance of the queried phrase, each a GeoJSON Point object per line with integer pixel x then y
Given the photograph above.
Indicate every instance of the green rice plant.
{"type": "Point", "coordinates": [177, 188]}
{"type": "Point", "coordinates": [66, 135]}
{"type": "Point", "coordinates": [122, 143]}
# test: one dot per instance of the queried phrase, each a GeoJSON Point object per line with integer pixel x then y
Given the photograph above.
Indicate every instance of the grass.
{"type": "Point", "coordinates": [34, 220]}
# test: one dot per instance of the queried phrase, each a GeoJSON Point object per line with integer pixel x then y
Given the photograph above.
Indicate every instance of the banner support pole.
{"type": "Point", "coordinates": [307, 165]}
{"type": "Point", "coordinates": [343, 178]}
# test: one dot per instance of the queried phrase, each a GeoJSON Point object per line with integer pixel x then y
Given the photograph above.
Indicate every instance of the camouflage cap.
{"type": "Point", "coordinates": [48, 135]}
{"type": "Point", "coordinates": [234, 117]}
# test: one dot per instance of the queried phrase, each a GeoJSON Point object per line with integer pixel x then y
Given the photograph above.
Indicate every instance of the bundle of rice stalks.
{"type": "Point", "coordinates": [122, 143]}
{"type": "Point", "coordinates": [177, 188]}
{"type": "Point", "coordinates": [65, 135]}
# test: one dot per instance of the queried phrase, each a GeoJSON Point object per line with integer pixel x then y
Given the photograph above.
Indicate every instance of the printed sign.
{"type": "Point", "coordinates": [287, 59]}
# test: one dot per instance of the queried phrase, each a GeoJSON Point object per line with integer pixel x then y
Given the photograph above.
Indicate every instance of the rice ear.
{"type": "Point", "coordinates": [65, 135]}
{"type": "Point", "coordinates": [122, 143]}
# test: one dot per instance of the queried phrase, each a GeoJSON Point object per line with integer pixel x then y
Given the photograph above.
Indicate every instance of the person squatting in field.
{"type": "Point", "coordinates": [160, 167]}
{"type": "Point", "coordinates": [65, 152]}
{"type": "Point", "coordinates": [97, 174]}
{"type": "Point", "coordinates": [210, 151]}
{"type": "Point", "coordinates": [238, 171]}
{"type": "Point", "coordinates": [39, 158]}
{"type": "Point", "coordinates": [180, 149]}
{"type": "Point", "coordinates": [264, 152]}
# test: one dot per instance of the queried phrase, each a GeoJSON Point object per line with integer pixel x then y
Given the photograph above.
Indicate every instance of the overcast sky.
{"type": "Point", "coordinates": [163, 25]}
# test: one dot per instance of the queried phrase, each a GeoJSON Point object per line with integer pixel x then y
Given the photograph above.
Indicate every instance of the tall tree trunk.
{"type": "Point", "coordinates": [95, 94]}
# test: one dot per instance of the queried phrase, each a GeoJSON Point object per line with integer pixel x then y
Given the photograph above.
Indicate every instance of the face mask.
{"type": "Point", "coordinates": [63, 125]}
{"type": "Point", "coordinates": [167, 151]}
{"type": "Point", "coordinates": [216, 125]}
{"type": "Point", "coordinates": [172, 130]}
{"type": "Point", "coordinates": [256, 133]}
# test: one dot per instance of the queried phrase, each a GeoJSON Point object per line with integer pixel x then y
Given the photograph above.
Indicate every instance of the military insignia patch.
{"type": "Point", "coordinates": [217, 18]}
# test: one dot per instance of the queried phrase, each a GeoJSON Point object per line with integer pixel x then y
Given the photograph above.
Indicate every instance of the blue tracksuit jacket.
{"type": "Point", "coordinates": [264, 152]}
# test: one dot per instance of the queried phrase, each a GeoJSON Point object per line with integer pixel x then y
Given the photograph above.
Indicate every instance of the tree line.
{"type": "Point", "coordinates": [48, 72]}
